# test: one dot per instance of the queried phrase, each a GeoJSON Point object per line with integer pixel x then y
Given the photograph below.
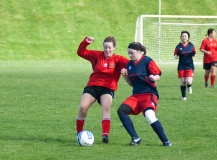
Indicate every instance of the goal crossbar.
{"type": "Point", "coordinates": [161, 32]}
{"type": "Point", "coordinates": [176, 16]}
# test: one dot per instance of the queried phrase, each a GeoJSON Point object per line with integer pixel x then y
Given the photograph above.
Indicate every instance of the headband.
{"type": "Point", "coordinates": [136, 46]}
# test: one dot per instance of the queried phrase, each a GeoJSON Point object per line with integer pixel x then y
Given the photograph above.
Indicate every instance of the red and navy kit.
{"type": "Point", "coordinates": [185, 54]}
{"type": "Point", "coordinates": [106, 71]}
{"type": "Point", "coordinates": [209, 45]}
{"type": "Point", "coordinates": [139, 73]}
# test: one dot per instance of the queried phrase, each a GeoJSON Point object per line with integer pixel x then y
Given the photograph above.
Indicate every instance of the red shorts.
{"type": "Point", "coordinates": [140, 102]}
{"type": "Point", "coordinates": [185, 73]}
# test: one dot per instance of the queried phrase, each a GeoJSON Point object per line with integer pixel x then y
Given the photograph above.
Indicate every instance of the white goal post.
{"type": "Point", "coordinates": [161, 33]}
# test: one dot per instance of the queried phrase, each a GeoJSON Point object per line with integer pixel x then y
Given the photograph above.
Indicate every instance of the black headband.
{"type": "Point", "coordinates": [136, 46]}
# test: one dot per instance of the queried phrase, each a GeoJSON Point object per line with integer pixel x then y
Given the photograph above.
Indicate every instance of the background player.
{"type": "Point", "coordinates": [141, 74]}
{"type": "Point", "coordinates": [209, 48]}
{"type": "Point", "coordinates": [102, 82]}
{"type": "Point", "coordinates": [185, 51]}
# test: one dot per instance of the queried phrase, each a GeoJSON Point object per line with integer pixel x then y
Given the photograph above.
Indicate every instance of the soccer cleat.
{"type": "Point", "coordinates": [211, 86]}
{"type": "Point", "coordinates": [135, 141]}
{"type": "Point", "coordinates": [105, 139]}
{"type": "Point", "coordinates": [168, 143]}
{"type": "Point", "coordinates": [184, 98]}
{"type": "Point", "coordinates": [206, 84]}
{"type": "Point", "coordinates": [190, 90]}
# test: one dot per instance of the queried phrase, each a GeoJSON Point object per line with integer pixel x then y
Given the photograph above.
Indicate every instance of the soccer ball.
{"type": "Point", "coordinates": [85, 138]}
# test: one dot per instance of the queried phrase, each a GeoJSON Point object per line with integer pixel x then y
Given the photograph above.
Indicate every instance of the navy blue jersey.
{"type": "Point", "coordinates": [185, 54]}
{"type": "Point", "coordinates": [139, 73]}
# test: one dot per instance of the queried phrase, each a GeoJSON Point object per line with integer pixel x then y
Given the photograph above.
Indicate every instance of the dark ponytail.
{"type": "Point", "coordinates": [209, 31]}
{"type": "Point", "coordinates": [137, 46]}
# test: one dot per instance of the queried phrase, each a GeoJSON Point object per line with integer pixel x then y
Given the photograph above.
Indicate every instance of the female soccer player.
{"type": "Point", "coordinates": [209, 48]}
{"type": "Point", "coordinates": [102, 82]}
{"type": "Point", "coordinates": [141, 73]}
{"type": "Point", "coordinates": [185, 51]}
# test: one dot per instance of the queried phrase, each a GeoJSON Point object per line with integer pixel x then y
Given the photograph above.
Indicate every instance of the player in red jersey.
{"type": "Point", "coordinates": [209, 48]}
{"type": "Point", "coordinates": [185, 51]}
{"type": "Point", "coordinates": [102, 82]}
{"type": "Point", "coordinates": [142, 74]}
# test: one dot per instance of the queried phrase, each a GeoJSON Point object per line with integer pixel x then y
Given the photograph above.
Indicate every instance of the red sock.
{"type": "Point", "coordinates": [206, 78]}
{"type": "Point", "coordinates": [106, 126]}
{"type": "Point", "coordinates": [79, 125]}
{"type": "Point", "coordinates": [213, 80]}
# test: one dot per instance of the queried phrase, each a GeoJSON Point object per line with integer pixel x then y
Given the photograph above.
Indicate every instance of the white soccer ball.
{"type": "Point", "coordinates": [85, 138]}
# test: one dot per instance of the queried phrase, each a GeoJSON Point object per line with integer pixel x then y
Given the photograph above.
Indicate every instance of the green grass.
{"type": "Point", "coordinates": [52, 30]}
{"type": "Point", "coordinates": [39, 101]}
{"type": "Point", "coordinates": [42, 79]}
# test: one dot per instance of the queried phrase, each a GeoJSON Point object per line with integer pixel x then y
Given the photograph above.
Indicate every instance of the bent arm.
{"type": "Point", "coordinates": [127, 79]}
{"type": "Point", "coordinates": [84, 52]}
{"type": "Point", "coordinates": [125, 75]}
{"type": "Point", "coordinates": [155, 71]}
{"type": "Point", "coordinates": [154, 77]}
{"type": "Point", "coordinates": [205, 51]}
{"type": "Point", "coordinates": [82, 49]}
{"type": "Point", "coordinates": [175, 54]}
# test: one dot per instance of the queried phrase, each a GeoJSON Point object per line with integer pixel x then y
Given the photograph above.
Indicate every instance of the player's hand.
{"type": "Point", "coordinates": [175, 56]}
{"type": "Point", "coordinates": [90, 39]}
{"type": "Point", "coordinates": [124, 71]}
{"type": "Point", "coordinates": [151, 78]}
{"type": "Point", "coordinates": [154, 78]}
{"type": "Point", "coordinates": [208, 52]}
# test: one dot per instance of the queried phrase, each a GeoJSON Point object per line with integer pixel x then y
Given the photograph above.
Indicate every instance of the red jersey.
{"type": "Point", "coordinates": [106, 71]}
{"type": "Point", "coordinates": [209, 45]}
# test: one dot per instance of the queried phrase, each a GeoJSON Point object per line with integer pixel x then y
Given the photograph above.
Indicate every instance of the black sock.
{"type": "Point", "coordinates": [128, 124]}
{"type": "Point", "coordinates": [183, 90]}
{"type": "Point", "coordinates": [189, 85]}
{"type": "Point", "coordinates": [157, 127]}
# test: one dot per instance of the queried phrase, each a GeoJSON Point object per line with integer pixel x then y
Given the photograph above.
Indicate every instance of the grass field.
{"type": "Point", "coordinates": [42, 79]}
{"type": "Point", "coordinates": [52, 30]}
{"type": "Point", "coordinates": [39, 101]}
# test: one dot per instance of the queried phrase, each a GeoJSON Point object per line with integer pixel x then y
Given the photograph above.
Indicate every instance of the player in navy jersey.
{"type": "Point", "coordinates": [141, 73]}
{"type": "Point", "coordinates": [185, 51]}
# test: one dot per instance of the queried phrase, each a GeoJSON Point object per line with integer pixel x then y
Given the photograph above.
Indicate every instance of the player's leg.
{"type": "Point", "coordinates": [183, 87]}
{"type": "Point", "coordinates": [189, 80]}
{"type": "Point", "coordinates": [213, 73]}
{"type": "Point", "coordinates": [148, 105]}
{"type": "Point", "coordinates": [123, 112]}
{"type": "Point", "coordinates": [181, 75]}
{"type": "Point", "coordinates": [156, 125]}
{"type": "Point", "coordinates": [206, 77]}
{"type": "Point", "coordinates": [207, 68]}
{"type": "Point", "coordinates": [106, 102]}
{"type": "Point", "coordinates": [86, 101]}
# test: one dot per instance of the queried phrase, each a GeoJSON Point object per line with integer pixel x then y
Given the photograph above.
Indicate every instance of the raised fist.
{"type": "Point", "coordinates": [90, 39]}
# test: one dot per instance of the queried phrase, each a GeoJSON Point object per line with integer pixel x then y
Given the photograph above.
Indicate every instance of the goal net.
{"type": "Point", "coordinates": [161, 33]}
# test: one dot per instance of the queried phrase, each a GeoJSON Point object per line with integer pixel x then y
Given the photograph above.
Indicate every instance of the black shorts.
{"type": "Point", "coordinates": [97, 92]}
{"type": "Point", "coordinates": [207, 66]}
{"type": "Point", "coordinates": [214, 63]}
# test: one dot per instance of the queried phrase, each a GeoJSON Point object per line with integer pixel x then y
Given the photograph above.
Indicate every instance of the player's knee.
{"type": "Point", "coordinates": [82, 110]}
{"type": "Point", "coordinates": [189, 84]}
{"type": "Point", "coordinates": [150, 116]}
{"type": "Point", "coordinates": [124, 109]}
{"type": "Point", "coordinates": [183, 82]}
{"type": "Point", "coordinates": [106, 108]}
